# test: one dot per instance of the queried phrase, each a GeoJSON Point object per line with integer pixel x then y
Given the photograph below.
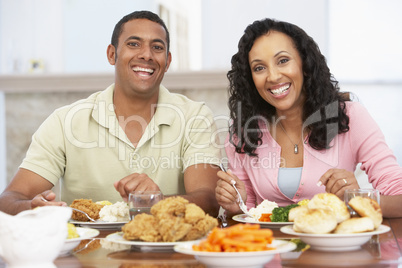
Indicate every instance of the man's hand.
{"type": "Point", "coordinates": [47, 198]}
{"type": "Point", "coordinates": [135, 182]}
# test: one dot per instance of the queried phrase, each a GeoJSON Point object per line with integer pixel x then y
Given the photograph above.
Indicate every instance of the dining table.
{"type": "Point", "coordinates": [382, 250]}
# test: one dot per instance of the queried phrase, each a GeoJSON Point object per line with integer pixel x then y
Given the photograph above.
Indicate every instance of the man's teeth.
{"type": "Point", "coordinates": [140, 69]}
{"type": "Point", "coordinates": [280, 90]}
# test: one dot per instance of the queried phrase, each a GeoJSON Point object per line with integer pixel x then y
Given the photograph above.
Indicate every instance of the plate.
{"type": "Point", "coordinates": [100, 224]}
{"type": "Point", "coordinates": [236, 259]}
{"type": "Point", "coordinates": [246, 219]}
{"type": "Point", "coordinates": [143, 245]}
{"type": "Point", "coordinates": [84, 233]}
{"type": "Point", "coordinates": [335, 242]}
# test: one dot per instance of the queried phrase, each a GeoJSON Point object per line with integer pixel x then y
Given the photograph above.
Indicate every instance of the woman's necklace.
{"type": "Point", "coordinates": [296, 145]}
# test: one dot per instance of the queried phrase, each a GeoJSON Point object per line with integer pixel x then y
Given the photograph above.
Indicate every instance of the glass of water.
{"type": "Point", "coordinates": [142, 201]}
{"type": "Point", "coordinates": [369, 193]}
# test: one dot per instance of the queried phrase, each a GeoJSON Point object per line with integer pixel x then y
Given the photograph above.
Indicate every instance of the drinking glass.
{"type": "Point", "coordinates": [142, 201]}
{"type": "Point", "coordinates": [370, 193]}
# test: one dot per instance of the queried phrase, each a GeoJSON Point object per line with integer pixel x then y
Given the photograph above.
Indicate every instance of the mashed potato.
{"type": "Point", "coordinates": [265, 207]}
{"type": "Point", "coordinates": [116, 212]}
{"type": "Point", "coordinates": [72, 231]}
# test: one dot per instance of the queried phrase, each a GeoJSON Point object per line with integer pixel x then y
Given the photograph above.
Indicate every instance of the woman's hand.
{"type": "Point", "coordinates": [225, 193]}
{"type": "Point", "coordinates": [336, 181]}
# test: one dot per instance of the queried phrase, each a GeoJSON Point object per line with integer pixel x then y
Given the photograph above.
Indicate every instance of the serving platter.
{"type": "Point", "coordinates": [143, 245]}
{"type": "Point", "coordinates": [246, 219]}
{"type": "Point", "coordinates": [335, 242]}
{"type": "Point", "coordinates": [236, 259]}
{"type": "Point", "coordinates": [99, 224]}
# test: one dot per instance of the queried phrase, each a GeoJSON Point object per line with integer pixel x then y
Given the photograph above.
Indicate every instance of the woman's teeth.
{"type": "Point", "coordinates": [280, 90]}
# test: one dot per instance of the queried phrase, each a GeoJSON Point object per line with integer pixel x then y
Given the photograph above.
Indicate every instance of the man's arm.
{"type": "Point", "coordinates": [200, 183]}
{"type": "Point", "coordinates": [25, 191]}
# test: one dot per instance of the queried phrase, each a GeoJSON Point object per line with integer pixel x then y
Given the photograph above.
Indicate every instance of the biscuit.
{"type": "Point", "coordinates": [367, 207]}
{"type": "Point", "coordinates": [296, 211]}
{"type": "Point", "coordinates": [330, 201]}
{"type": "Point", "coordinates": [355, 225]}
{"type": "Point", "coordinates": [316, 221]}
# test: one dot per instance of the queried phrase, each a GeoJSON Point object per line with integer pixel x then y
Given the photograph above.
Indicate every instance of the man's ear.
{"type": "Point", "coordinates": [169, 60]}
{"type": "Point", "coordinates": [111, 54]}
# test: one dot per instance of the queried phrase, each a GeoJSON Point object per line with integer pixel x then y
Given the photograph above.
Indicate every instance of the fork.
{"type": "Point", "coordinates": [242, 206]}
{"type": "Point", "coordinates": [86, 215]}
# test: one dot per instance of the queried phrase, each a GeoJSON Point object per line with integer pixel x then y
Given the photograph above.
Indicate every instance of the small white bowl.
{"type": "Point", "coordinates": [335, 242]}
{"type": "Point", "coordinates": [70, 244]}
{"type": "Point", "coordinates": [236, 259]}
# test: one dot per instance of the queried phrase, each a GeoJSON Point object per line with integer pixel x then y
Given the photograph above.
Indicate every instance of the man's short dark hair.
{"type": "Point", "coordinates": [144, 14]}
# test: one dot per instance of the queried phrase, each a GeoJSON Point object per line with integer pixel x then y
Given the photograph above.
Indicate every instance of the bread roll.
{"type": "Point", "coordinates": [330, 201]}
{"type": "Point", "coordinates": [355, 225]}
{"type": "Point", "coordinates": [367, 207]}
{"type": "Point", "coordinates": [296, 212]}
{"type": "Point", "coordinates": [315, 221]}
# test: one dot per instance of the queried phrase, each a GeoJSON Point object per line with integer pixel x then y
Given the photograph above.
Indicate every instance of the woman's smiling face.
{"type": "Point", "coordinates": [277, 71]}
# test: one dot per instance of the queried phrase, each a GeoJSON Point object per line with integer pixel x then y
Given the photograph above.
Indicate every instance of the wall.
{"type": "Point", "coordinates": [224, 21]}
{"type": "Point", "coordinates": [3, 170]}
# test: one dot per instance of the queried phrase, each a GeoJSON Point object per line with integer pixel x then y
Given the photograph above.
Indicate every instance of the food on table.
{"type": "Point", "coordinates": [330, 201]}
{"type": "Point", "coordinates": [104, 203]}
{"type": "Point", "coordinates": [367, 207]}
{"type": "Point", "coordinates": [237, 238]}
{"type": "Point", "coordinates": [303, 202]}
{"type": "Point", "coordinates": [265, 207]}
{"type": "Point", "coordinates": [86, 205]}
{"type": "Point", "coordinates": [321, 220]}
{"type": "Point", "coordinates": [116, 212]}
{"type": "Point", "coordinates": [72, 231]}
{"type": "Point", "coordinates": [315, 221]}
{"type": "Point", "coordinates": [296, 211]}
{"type": "Point", "coordinates": [281, 214]}
{"type": "Point", "coordinates": [355, 225]}
{"type": "Point", "coordinates": [172, 219]}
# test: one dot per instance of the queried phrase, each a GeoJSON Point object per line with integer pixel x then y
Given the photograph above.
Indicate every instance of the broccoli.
{"type": "Point", "coordinates": [280, 214]}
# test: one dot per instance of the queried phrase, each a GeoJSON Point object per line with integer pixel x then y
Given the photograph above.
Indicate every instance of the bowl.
{"type": "Point", "coordinates": [335, 242]}
{"type": "Point", "coordinates": [70, 244]}
{"type": "Point", "coordinates": [236, 259]}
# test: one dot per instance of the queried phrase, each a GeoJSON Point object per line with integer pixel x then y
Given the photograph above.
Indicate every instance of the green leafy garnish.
{"type": "Point", "coordinates": [281, 214]}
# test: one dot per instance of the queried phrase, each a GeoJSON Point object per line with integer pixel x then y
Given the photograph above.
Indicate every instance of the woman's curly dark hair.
{"type": "Point", "coordinates": [324, 111]}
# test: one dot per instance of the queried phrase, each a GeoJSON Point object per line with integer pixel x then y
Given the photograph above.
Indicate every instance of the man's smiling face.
{"type": "Point", "coordinates": [141, 58]}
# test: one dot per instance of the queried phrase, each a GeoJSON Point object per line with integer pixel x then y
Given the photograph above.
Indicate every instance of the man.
{"type": "Point", "coordinates": [135, 135]}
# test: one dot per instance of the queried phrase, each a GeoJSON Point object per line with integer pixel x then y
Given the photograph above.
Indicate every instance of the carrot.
{"type": "Point", "coordinates": [265, 217]}
{"type": "Point", "coordinates": [237, 238]}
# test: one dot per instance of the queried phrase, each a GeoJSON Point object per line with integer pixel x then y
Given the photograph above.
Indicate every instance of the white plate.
{"type": "Point", "coordinates": [236, 259]}
{"type": "Point", "coordinates": [246, 219]}
{"type": "Point", "coordinates": [143, 245]}
{"type": "Point", "coordinates": [100, 224]}
{"type": "Point", "coordinates": [84, 233]}
{"type": "Point", "coordinates": [335, 242]}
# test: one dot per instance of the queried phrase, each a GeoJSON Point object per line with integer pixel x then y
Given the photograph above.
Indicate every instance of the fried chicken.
{"type": "Point", "coordinates": [173, 219]}
{"type": "Point", "coordinates": [142, 228]}
{"type": "Point", "coordinates": [86, 205]}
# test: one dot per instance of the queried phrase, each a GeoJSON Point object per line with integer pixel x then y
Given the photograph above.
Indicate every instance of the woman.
{"type": "Point", "coordinates": [294, 134]}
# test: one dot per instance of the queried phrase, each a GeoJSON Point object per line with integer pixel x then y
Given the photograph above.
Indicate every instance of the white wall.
{"type": "Point", "coordinates": [365, 41]}
{"type": "Point", "coordinates": [30, 30]}
{"type": "Point", "coordinates": [224, 22]}
{"type": "Point", "coordinates": [3, 172]}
